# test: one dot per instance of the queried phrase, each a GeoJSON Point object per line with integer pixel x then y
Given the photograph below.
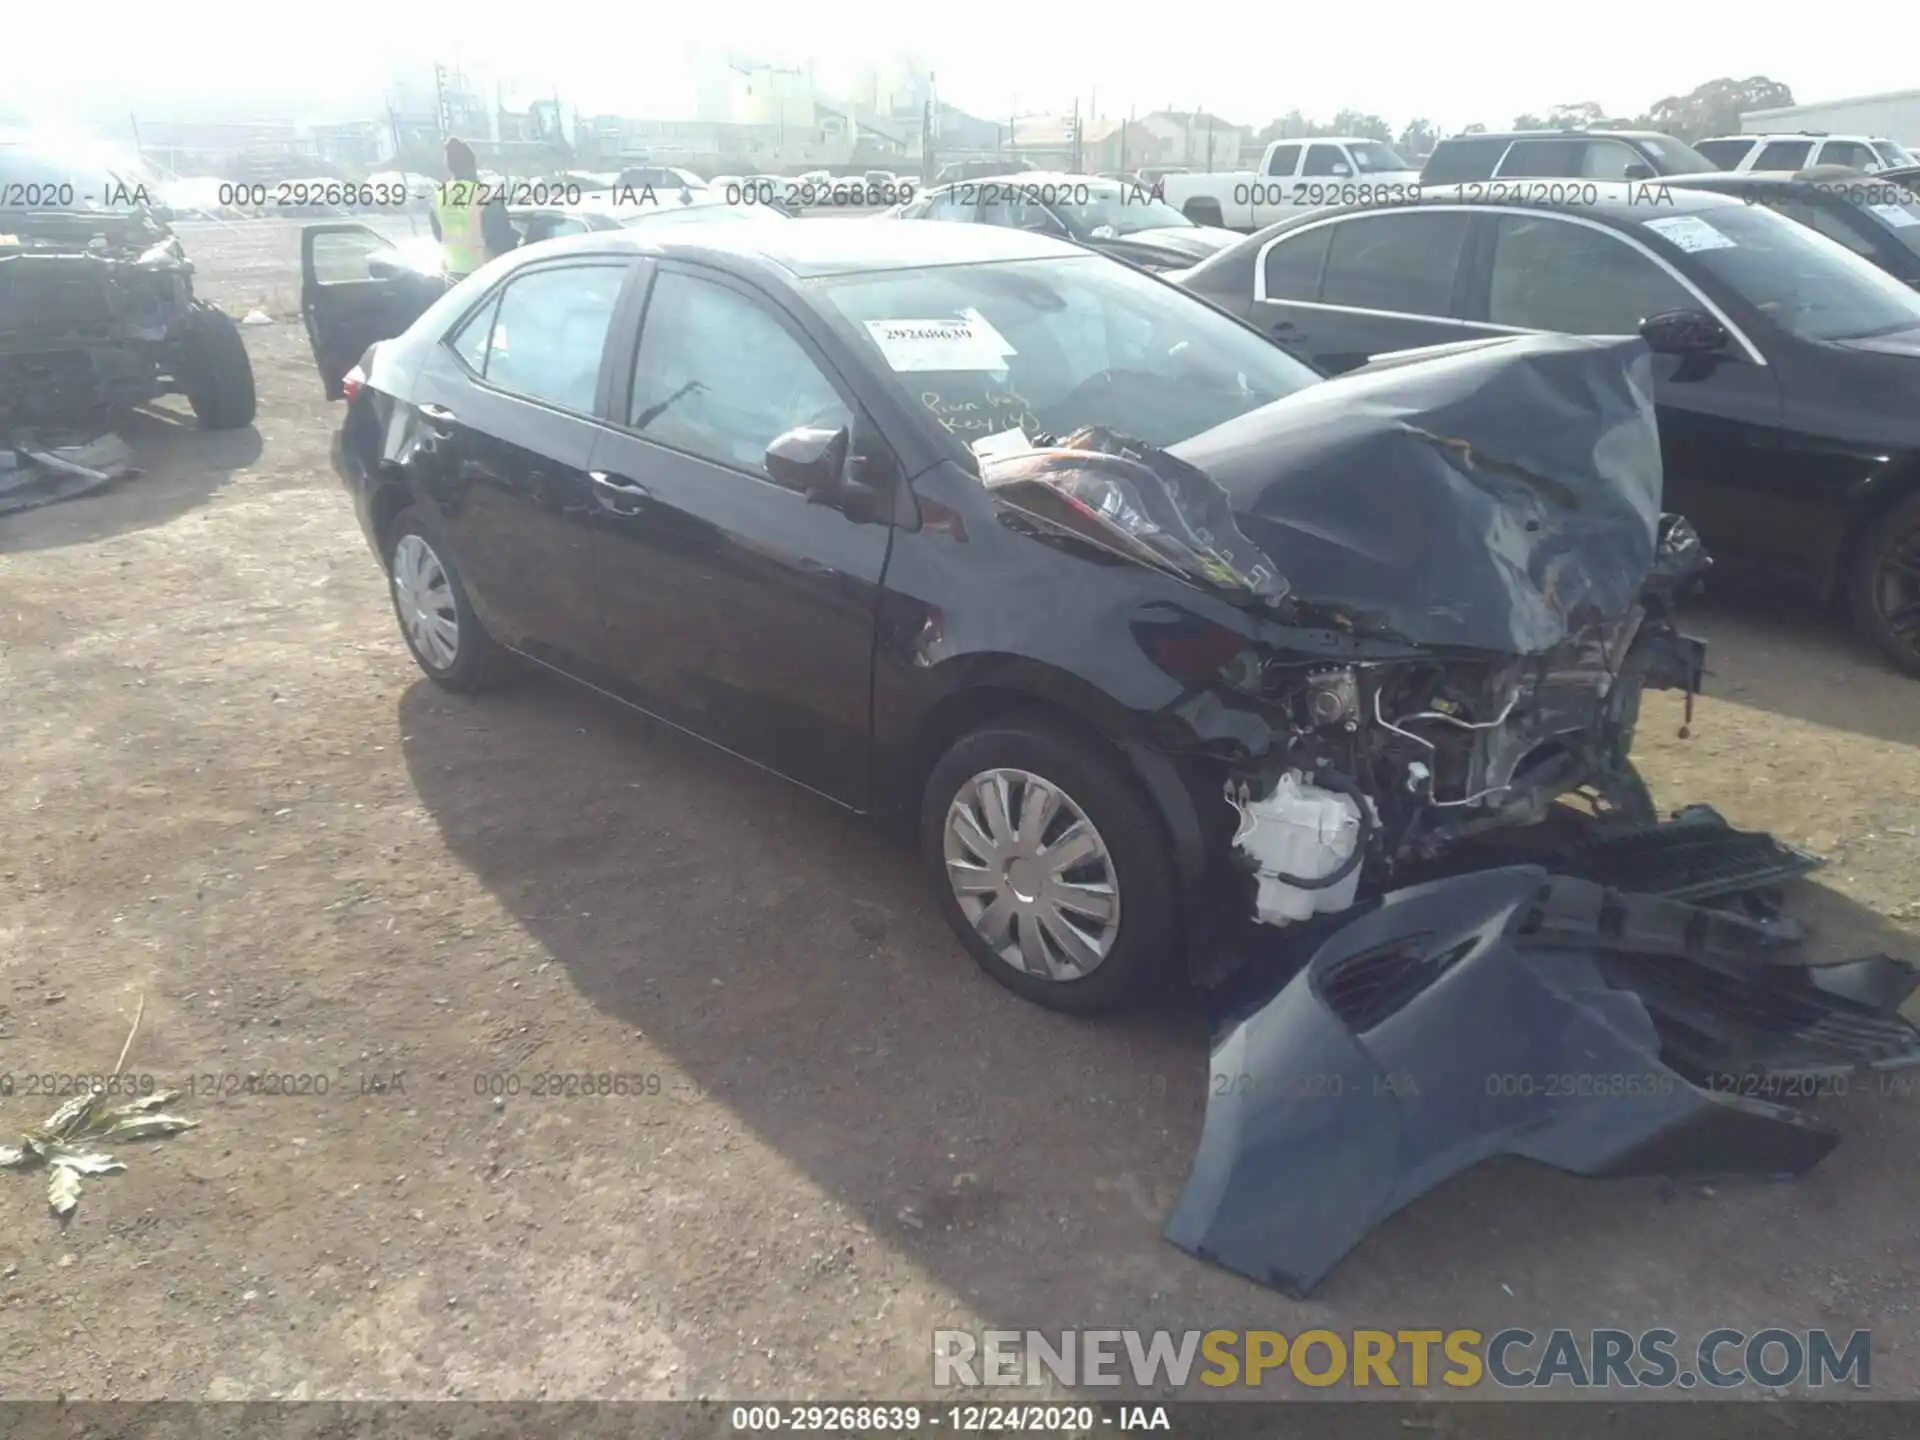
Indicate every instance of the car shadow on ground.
{"type": "Point", "coordinates": [1788, 656]}
{"type": "Point", "coordinates": [788, 957]}
{"type": "Point", "coordinates": [180, 466]}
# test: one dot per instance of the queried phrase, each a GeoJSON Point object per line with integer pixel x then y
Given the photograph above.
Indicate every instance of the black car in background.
{"type": "Point", "coordinates": [1561, 154]}
{"type": "Point", "coordinates": [1877, 219]}
{"type": "Point", "coordinates": [895, 512]}
{"type": "Point", "coordinates": [1119, 219]}
{"type": "Point", "coordinates": [1790, 428]}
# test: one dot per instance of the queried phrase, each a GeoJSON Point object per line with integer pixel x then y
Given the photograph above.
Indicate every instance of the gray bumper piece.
{"type": "Point", "coordinates": [1510, 1012]}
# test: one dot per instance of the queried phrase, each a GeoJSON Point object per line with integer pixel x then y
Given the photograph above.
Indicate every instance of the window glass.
{"type": "Point", "coordinates": [1848, 152]}
{"type": "Point", "coordinates": [1609, 159]}
{"type": "Point", "coordinates": [1326, 160]}
{"type": "Point", "coordinates": [1295, 264]}
{"type": "Point", "coordinates": [549, 332]}
{"type": "Point", "coordinates": [720, 377]}
{"type": "Point", "coordinates": [1891, 153]}
{"type": "Point", "coordinates": [1543, 158]}
{"type": "Point", "coordinates": [1284, 161]}
{"type": "Point", "coordinates": [1831, 221]}
{"type": "Point", "coordinates": [1370, 157]}
{"type": "Point", "coordinates": [1551, 274]}
{"type": "Point", "coordinates": [1402, 262]}
{"type": "Point", "coordinates": [470, 341]}
{"type": "Point", "coordinates": [947, 205]}
{"type": "Point", "coordinates": [1460, 159]}
{"type": "Point", "coordinates": [1783, 155]}
{"type": "Point", "coordinates": [340, 256]}
{"type": "Point", "coordinates": [1727, 154]}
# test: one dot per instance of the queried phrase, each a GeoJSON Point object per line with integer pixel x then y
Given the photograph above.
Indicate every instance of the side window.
{"type": "Point", "coordinates": [1284, 160]}
{"type": "Point", "coordinates": [1727, 154]}
{"type": "Point", "coordinates": [719, 377]}
{"type": "Point", "coordinates": [548, 333]}
{"type": "Point", "coordinates": [1783, 155]}
{"type": "Point", "coordinates": [470, 340]}
{"type": "Point", "coordinates": [1326, 160]}
{"type": "Point", "coordinates": [1551, 274]}
{"type": "Point", "coordinates": [1461, 159]}
{"type": "Point", "coordinates": [341, 256]}
{"type": "Point", "coordinates": [1295, 264]}
{"type": "Point", "coordinates": [1403, 262]}
{"type": "Point", "coordinates": [1542, 159]}
{"type": "Point", "coordinates": [1609, 159]}
{"type": "Point", "coordinates": [946, 206]}
{"type": "Point", "coordinates": [1850, 153]}
{"type": "Point", "coordinates": [1834, 223]}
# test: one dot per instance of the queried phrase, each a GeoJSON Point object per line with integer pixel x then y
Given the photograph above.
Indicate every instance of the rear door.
{"type": "Point", "coordinates": [733, 607]}
{"type": "Point", "coordinates": [1340, 291]}
{"type": "Point", "coordinates": [1720, 416]}
{"type": "Point", "coordinates": [345, 306]}
{"type": "Point", "coordinates": [506, 413]}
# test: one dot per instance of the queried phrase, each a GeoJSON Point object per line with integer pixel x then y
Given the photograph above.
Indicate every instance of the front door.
{"type": "Point", "coordinates": [506, 409]}
{"type": "Point", "coordinates": [354, 292]}
{"type": "Point", "coordinates": [733, 607]}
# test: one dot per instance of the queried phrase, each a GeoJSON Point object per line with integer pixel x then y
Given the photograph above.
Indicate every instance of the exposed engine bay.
{"type": "Point", "coordinates": [1519, 578]}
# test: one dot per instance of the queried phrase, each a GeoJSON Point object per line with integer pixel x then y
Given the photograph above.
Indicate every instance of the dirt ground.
{"type": "Point", "coordinates": [227, 790]}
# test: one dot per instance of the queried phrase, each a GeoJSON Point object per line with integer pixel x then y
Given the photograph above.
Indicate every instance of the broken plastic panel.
{"type": "Point", "coordinates": [1507, 1012]}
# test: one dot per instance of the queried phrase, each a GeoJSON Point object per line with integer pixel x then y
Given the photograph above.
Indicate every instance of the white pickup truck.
{"type": "Point", "coordinates": [1294, 175]}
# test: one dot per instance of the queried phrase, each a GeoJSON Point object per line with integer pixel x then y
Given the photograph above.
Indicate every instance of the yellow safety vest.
{"type": "Point", "coordinates": [463, 246]}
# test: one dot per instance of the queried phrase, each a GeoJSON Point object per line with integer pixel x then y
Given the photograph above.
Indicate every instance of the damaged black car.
{"type": "Point", "coordinates": [1152, 633]}
{"type": "Point", "coordinates": [97, 308]}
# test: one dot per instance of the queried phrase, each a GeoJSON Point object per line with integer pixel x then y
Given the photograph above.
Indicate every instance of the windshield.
{"type": "Point", "coordinates": [1898, 209]}
{"type": "Point", "coordinates": [1047, 346]}
{"type": "Point", "coordinates": [1114, 209]}
{"type": "Point", "coordinates": [1892, 154]}
{"type": "Point", "coordinates": [1808, 285]}
{"type": "Point", "coordinates": [1676, 158]}
{"type": "Point", "coordinates": [1370, 157]}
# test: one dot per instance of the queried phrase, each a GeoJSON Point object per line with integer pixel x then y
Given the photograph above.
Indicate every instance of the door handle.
{"type": "Point", "coordinates": [1281, 327]}
{"type": "Point", "coordinates": [437, 416]}
{"type": "Point", "coordinates": [619, 485]}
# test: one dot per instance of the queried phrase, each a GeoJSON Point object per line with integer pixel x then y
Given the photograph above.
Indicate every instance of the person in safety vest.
{"type": "Point", "coordinates": [470, 224]}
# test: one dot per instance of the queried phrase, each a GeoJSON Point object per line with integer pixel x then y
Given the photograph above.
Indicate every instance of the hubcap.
{"type": "Point", "coordinates": [1032, 875]}
{"type": "Point", "coordinates": [1896, 588]}
{"type": "Point", "coordinates": [424, 600]}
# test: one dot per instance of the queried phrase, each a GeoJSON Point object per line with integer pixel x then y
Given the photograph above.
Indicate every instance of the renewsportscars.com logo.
{"type": "Point", "coordinates": [1600, 1359]}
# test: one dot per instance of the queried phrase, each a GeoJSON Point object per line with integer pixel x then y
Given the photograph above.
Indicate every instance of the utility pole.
{"type": "Point", "coordinates": [1075, 132]}
{"type": "Point", "coordinates": [442, 101]}
{"type": "Point", "coordinates": [1209, 142]}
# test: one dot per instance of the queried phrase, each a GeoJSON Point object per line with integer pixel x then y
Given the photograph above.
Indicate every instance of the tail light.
{"type": "Point", "coordinates": [352, 382]}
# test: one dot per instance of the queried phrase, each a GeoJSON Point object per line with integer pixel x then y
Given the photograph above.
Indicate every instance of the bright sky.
{"type": "Point", "coordinates": [1452, 64]}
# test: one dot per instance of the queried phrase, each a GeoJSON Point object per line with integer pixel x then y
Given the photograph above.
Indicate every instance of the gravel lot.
{"type": "Point", "coordinates": [228, 790]}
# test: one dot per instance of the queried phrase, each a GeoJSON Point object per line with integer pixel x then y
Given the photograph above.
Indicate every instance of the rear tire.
{"type": "Point", "coordinates": [436, 618]}
{"type": "Point", "coordinates": [1048, 910]}
{"type": "Point", "coordinates": [1884, 585]}
{"type": "Point", "coordinates": [219, 376]}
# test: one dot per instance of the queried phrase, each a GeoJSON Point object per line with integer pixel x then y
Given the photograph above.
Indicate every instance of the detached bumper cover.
{"type": "Point", "coordinates": [1509, 1012]}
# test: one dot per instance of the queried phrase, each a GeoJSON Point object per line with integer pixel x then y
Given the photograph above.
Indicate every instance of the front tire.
{"type": "Point", "coordinates": [436, 618]}
{"type": "Point", "coordinates": [219, 376]}
{"type": "Point", "coordinates": [1052, 866]}
{"type": "Point", "coordinates": [1884, 587]}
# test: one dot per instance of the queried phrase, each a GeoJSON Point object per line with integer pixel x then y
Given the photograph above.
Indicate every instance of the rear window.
{"type": "Point", "coordinates": [1462, 158]}
{"type": "Point", "coordinates": [1727, 154]}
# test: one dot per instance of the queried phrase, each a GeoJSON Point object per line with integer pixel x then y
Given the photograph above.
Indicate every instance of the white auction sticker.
{"type": "Point", "coordinates": [1005, 445]}
{"type": "Point", "coordinates": [1691, 233]}
{"type": "Point", "coordinates": [963, 343]}
{"type": "Point", "coordinates": [1898, 215]}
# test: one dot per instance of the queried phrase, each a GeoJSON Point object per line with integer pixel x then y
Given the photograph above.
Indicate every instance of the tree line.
{"type": "Point", "coordinates": [1710, 109]}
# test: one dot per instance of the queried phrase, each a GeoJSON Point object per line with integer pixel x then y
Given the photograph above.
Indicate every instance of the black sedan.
{"type": "Point", "coordinates": [940, 523]}
{"type": "Point", "coordinates": [1791, 429]}
{"type": "Point", "coordinates": [1119, 219]}
{"type": "Point", "coordinates": [1877, 219]}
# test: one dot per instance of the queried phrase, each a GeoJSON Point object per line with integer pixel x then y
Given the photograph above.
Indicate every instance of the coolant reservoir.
{"type": "Point", "coordinates": [1304, 831]}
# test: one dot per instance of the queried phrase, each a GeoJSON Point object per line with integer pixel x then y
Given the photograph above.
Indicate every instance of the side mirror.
{"type": "Point", "coordinates": [1637, 170]}
{"type": "Point", "coordinates": [812, 461]}
{"type": "Point", "coordinates": [1684, 332]}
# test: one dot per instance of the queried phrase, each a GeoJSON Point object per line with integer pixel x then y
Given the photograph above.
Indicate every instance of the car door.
{"type": "Point", "coordinates": [345, 305]}
{"type": "Point", "coordinates": [733, 607]}
{"type": "Point", "coordinates": [506, 407]}
{"type": "Point", "coordinates": [1720, 415]}
{"type": "Point", "coordinates": [1340, 291]}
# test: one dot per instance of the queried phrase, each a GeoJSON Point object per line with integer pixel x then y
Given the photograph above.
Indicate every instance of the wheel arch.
{"type": "Point", "coordinates": [1901, 482]}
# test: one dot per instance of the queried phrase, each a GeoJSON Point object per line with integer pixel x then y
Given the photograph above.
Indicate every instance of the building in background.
{"type": "Point", "coordinates": [1189, 139]}
{"type": "Point", "coordinates": [748, 92]}
{"type": "Point", "coordinates": [1892, 116]}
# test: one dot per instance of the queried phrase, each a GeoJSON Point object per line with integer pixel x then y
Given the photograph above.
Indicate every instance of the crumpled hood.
{"type": "Point", "coordinates": [1499, 499]}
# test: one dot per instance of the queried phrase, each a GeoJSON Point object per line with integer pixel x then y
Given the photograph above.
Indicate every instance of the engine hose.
{"type": "Point", "coordinates": [1340, 785]}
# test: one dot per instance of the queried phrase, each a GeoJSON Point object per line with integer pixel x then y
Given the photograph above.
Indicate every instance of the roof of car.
{"type": "Point", "coordinates": [1662, 195]}
{"type": "Point", "coordinates": [1799, 135]}
{"type": "Point", "coordinates": [1558, 135]}
{"type": "Point", "coordinates": [812, 248]}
